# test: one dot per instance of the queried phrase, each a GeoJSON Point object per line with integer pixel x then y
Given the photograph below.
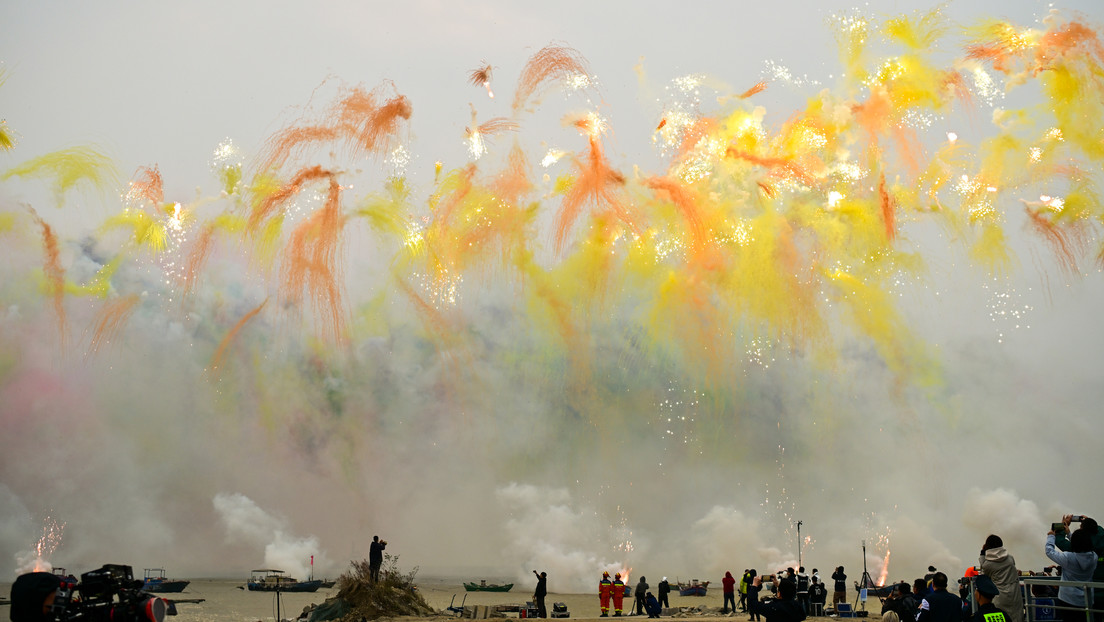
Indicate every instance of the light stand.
{"type": "Point", "coordinates": [799, 544]}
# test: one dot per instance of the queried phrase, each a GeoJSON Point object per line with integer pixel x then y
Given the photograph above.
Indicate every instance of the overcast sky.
{"type": "Point", "coordinates": [163, 84]}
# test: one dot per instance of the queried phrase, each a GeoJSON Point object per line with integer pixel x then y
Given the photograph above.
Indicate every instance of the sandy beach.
{"type": "Point", "coordinates": [222, 600]}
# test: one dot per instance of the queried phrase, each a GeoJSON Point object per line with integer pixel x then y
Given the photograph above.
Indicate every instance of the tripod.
{"type": "Point", "coordinates": [864, 582]}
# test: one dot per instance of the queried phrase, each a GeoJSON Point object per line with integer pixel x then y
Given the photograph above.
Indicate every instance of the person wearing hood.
{"type": "Point", "coordinates": [1000, 567]}
{"type": "Point", "coordinates": [32, 596]}
{"type": "Point", "coordinates": [1078, 564]}
{"type": "Point", "coordinates": [728, 586]}
{"type": "Point", "coordinates": [641, 596]}
{"type": "Point", "coordinates": [664, 590]}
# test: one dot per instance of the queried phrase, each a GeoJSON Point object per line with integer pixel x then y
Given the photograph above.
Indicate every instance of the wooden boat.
{"type": "Point", "coordinates": [694, 588]}
{"type": "Point", "coordinates": [272, 580]}
{"type": "Point", "coordinates": [155, 581]}
{"type": "Point", "coordinates": [483, 586]}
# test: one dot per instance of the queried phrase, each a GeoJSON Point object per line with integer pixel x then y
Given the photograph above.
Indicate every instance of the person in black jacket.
{"type": "Point", "coordinates": [785, 608]}
{"type": "Point", "coordinates": [754, 587]}
{"type": "Point", "coordinates": [840, 593]}
{"type": "Point", "coordinates": [32, 596]}
{"type": "Point", "coordinates": [940, 605]}
{"type": "Point", "coordinates": [641, 594]}
{"type": "Point", "coordinates": [540, 593]}
{"type": "Point", "coordinates": [664, 590]}
{"type": "Point", "coordinates": [375, 557]}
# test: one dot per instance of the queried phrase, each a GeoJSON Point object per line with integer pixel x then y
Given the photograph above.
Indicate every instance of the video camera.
{"type": "Point", "coordinates": [108, 594]}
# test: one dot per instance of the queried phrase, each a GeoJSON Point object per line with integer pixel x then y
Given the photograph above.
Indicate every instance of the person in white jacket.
{"type": "Point", "coordinates": [998, 565]}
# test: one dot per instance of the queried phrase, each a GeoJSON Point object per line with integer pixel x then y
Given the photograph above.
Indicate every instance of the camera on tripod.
{"type": "Point", "coordinates": [108, 594]}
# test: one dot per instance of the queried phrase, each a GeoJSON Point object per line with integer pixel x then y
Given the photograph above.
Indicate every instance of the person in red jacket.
{"type": "Point", "coordinates": [618, 590]}
{"type": "Point", "coordinates": [728, 586]}
{"type": "Point", "coordinates": [605, 586]}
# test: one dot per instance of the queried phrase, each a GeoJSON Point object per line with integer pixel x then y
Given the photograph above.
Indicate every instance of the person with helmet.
{"type": "Point", "coordinates": [605, 586]}
{"type": "Point", "coordinates": [618, 590]}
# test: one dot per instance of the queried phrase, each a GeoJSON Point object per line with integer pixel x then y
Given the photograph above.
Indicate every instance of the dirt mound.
{"type": "Point", "coordinates": [359, 598]}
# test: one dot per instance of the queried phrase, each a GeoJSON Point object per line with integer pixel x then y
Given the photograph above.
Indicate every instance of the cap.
{"type": "Point", "coordinates": [985, 586]}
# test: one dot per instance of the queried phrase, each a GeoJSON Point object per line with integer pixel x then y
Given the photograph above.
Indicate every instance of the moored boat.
{"type": "Point", "coordinates": [155, 581]}
{"type": "Point", "coordinates": [694, 588]}
{"type": "Point", "coordinates": [483, 586]}
{"type": "Point", "coordinates": [272, 580]}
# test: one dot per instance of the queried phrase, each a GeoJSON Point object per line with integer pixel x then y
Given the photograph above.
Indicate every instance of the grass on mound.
{"type": "Point", "coordinates": [359, 598]}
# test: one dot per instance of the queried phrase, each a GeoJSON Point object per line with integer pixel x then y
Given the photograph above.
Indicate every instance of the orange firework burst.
{"type": "Point", "coordinates": [482, 77]}
{"type": "Point", "coordinates": [550, 63]}
{"type": "Point", "coordinates": [54, 272]}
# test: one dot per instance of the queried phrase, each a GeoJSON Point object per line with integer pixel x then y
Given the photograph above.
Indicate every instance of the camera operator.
{"type": "Point", "coordinates": [1096, 537]}
{"type": "Point", "coordinates": [1078, 564]}
{"type": "Point", "coordinates": [32, 596]}
{"type": "Point", "coordinates": [108, 594]}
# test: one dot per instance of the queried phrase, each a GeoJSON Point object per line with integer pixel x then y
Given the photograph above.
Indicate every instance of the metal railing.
{"type": "Point", "coordinates": [1043, 608]}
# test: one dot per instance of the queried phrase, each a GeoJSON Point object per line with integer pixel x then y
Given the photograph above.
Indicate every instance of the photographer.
{"type": "Point", "coordinates": [32, 596]}
{"type": "Point", "coordinates": [1096, 538]}
{"type": "Point", "coordinates": [1078, 564]}
{"type": "Point", "coordinates": [375, 558]}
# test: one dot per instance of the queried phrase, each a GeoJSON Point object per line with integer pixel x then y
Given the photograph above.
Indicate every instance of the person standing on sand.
{"type": "Point", "coordinates": [618, 592]}
{"type": "Point", "coordinates": [605, 586]}
{"type": "Point", "coordinates": [641, 595]}
{"type": "Point", "coordinates": [728, 586]}
{"type": "Point", "coordinates": [840, 593]}
{"type": "Point", "coordinates": [754, 587]}
{"type": "Point", "coordinates": [540, 593]}
{"type": "Point", "coordinates": [375, 558]}
{"type": "Point", "coordinates": [742, 589]}
{"type": "Point", "coordinates": [664, 590]}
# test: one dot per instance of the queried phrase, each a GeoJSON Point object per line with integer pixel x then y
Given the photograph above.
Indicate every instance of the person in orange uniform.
{"type": "Point", "coordinates": [604, 588]}
{"type": "Point", "coordinates": [618, 589]}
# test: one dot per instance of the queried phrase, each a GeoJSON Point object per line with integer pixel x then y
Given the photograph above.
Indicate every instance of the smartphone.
{"type": "Point", "coordinates": [1057, 527]}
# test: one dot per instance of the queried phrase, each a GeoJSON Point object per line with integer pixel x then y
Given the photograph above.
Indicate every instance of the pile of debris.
{"type": "Point", "coordinates": [359, 598]}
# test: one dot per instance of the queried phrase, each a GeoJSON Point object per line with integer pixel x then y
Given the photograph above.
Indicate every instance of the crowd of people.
{"type": "Point", "coordinates": [988, 592]}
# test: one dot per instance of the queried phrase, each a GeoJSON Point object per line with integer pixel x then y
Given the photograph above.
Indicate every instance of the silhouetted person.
{"type": "Point", "coordinates": [641, 594]}
{"type": "Point", "coordinates": [540, 593]}
{"type": "Point", "coordinates": [839, 595]}
{"type": "Point", "coordinates": [664, 590]}
{"type": "Point", "coordinates": [375, 558]}
{"type": "Point", "coordinates": [754, 588]}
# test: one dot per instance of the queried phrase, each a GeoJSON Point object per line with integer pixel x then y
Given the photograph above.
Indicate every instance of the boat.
{"type": "Point", "coordinates": [272, 580]}
{"type": "Point", "coordinates": [483, 586]}
{"type": "Point", "coordinates": [155, 581]}
{"type": "Point", "coordinates": [694, 588]}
